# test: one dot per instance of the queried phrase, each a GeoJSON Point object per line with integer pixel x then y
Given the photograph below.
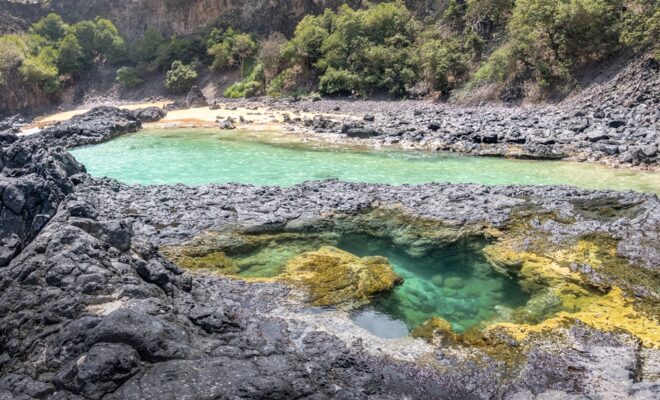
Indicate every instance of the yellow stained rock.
{"type": "Point", "coordinates": [436, 330]}
{"type": "Point", "coordinates": [335, 277]}
{"type": "Point", "coordinates": [610, 312]}
{"type": "Point", "coordinates": [544, 269]}
{"type": "Point", "coordinates": [201, 258]}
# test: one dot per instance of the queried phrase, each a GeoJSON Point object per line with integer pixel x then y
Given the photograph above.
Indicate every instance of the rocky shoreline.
{"type": "Point", "coordinates": [89, 307]}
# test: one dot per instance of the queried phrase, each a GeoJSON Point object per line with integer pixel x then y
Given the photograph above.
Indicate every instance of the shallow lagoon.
{"type": "Point", "coordinates": [202, 156]}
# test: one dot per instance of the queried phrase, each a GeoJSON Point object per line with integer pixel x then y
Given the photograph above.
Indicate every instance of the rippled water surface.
{"type": "Point", "coordinates": [201, 156]}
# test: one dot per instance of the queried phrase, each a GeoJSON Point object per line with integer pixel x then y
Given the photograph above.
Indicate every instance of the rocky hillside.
{"type": "Point", "coordinates": [186, 16]}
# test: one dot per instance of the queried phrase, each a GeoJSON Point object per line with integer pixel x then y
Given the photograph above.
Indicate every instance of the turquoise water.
{"type": "Point", "coordinates": [201, 156]}
{"type": "Point", "coordinates": [453, 282]}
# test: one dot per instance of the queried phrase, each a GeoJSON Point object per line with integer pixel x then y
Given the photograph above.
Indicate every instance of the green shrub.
{"type": "Point", "coordinates": [338, 81]}
{"type": "Point", "coordinates": [129, 77]}
{"type": "Point", "coordinates": [180, 77]}
{"type": "Point", "coordinates": [252, 85]}
{"type": "Point", "coordinates": [71, 58]}
{"type": "Point", "coordinates": [41, 69]}
{"type": "Point", "coordinates": [13, 50]}
{"type": "Point", "coordinates": [52, 27]}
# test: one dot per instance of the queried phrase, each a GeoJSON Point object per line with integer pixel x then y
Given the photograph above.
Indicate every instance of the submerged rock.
{"type": "Point", "coordinates": [334, 277]}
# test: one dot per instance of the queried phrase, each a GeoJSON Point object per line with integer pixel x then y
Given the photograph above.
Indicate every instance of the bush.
{"type": "Point", "coordinates": [71, 58]}
{"type": "Point", "coordinates": [13, 50]}
{"type": "Point", "coordinates": [51, 27]}
{"type": "Point", "coordinates": [294, 81]}
{"type": "Point", "coordinates": [128, 77]}
{"type": "Point", "coordinates": [40, 69]}
{"type": "Point", "coordinates": [180, 77]}
{"type": "Point", "coordinates": [338, 81]}
{"type": "Point", "coordinates": [252, 85]}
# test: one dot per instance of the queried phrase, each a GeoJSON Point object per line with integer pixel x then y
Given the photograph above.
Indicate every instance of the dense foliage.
{"type": "Point", "coordinates": [513, 47]}
{"type": "Point", "coordinates": [180, 77]}
{"type": "Point", "coordinates": [54, 51]}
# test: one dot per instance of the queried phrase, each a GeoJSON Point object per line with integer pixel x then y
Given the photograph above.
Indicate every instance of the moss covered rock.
{"type": "Point", "coordinates": [201, 257]}
{"type": "Point", "coordinates": [334, 277]}
{"type": "Point", "coordinates": [435, 330]}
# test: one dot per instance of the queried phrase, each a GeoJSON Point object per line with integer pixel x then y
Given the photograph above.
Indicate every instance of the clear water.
{"type": "Point", "coordinates": [201, 156]}
{"type": "Point", "coordinates": [453, 282]}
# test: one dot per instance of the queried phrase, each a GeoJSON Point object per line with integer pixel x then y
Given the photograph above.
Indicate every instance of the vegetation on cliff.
{"type": "Point", "coordinates": [504, 48]}
{"type": "Point", "coordinates": [53, 52]}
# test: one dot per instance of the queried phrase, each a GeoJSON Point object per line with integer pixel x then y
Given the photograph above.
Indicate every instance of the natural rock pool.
{"type": "Point", "coordinates": [201, 156]}
{"type": "Point", "coordinates": [389, 272]}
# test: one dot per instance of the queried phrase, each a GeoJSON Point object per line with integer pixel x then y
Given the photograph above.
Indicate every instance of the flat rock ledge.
{"type": "Point", "coordinates": [89, 308]}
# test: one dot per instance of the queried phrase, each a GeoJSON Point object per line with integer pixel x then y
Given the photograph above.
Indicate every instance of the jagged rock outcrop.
{"type": "Point", "coordinates": [89, 307]}
{"type": "Point", "coordinates": [98, 125]}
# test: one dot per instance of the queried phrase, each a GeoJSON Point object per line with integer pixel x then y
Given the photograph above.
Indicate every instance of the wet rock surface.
{"type": "Point", "coordinates": [89, 308]}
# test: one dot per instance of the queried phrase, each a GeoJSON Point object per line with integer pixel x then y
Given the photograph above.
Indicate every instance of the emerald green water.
{"type": "Point", "coordinates": [201, 156]}
{"type": "Point", "coordinates": [454, 282]}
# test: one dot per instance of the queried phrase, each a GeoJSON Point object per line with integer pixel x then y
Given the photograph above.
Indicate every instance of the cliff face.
{"type": "Point", "coordinates": [16, 96]}
{"type": "Point", "coordinates": [132, 17]}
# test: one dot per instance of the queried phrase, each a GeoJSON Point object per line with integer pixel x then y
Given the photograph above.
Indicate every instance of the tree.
{"type": "Point", "coordinates": [107, 41]}
{"type": "Point", "coordinates": [145, 51]}
{"type": "Point", "coordinates": [180, 77]}
{"type": "Point", "coordinates": [305, 46]}
{"type": "Point", "coordinates": [71, 58]}
{"type": "Point", "coordinates": [85, 32]}
{"type": "Point", "coordinates": [554, 36]}
{"type": "Point", "coordinates": [222, 56]}
{"type": "Point", "coordinates": [243, 47]}
{"type": "Point", "coordinates": [270, 54]}
{"type": "Point", "coordinates": [13, 50]}
{"type": "Point", "coordinates": [128, 77]}
{"type": "Point", "coordinates": [52, 27]}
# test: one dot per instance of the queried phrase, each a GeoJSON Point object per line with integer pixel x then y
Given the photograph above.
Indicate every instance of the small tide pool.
{"type": "Point", "coordinates": [202, 156]}
{"type": "Point", "coordinates": [451, 281]}
{"type": "Point", "coordinates": [454, 282]}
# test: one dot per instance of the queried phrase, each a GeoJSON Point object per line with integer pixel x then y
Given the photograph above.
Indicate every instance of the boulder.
{"type": "Point", "coordinates": [195, 98]}
{"type": "Point", "coordinates": [334, 277]}
{"type": "Point", "coordinates": [597, 135]}
{"type": "Point", "coordinates": [149, 114]}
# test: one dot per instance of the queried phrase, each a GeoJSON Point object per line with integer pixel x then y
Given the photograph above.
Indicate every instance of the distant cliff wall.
{"type": "Point", "coordinates": [132, 17]}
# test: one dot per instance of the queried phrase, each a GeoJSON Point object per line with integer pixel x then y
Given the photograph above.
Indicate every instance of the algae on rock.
{"type": "Point", "coordinates": [334, 277]}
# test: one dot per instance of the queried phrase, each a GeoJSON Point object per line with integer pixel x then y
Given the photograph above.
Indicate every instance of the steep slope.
{"type": "Point", "coordinates": [184, 17]}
